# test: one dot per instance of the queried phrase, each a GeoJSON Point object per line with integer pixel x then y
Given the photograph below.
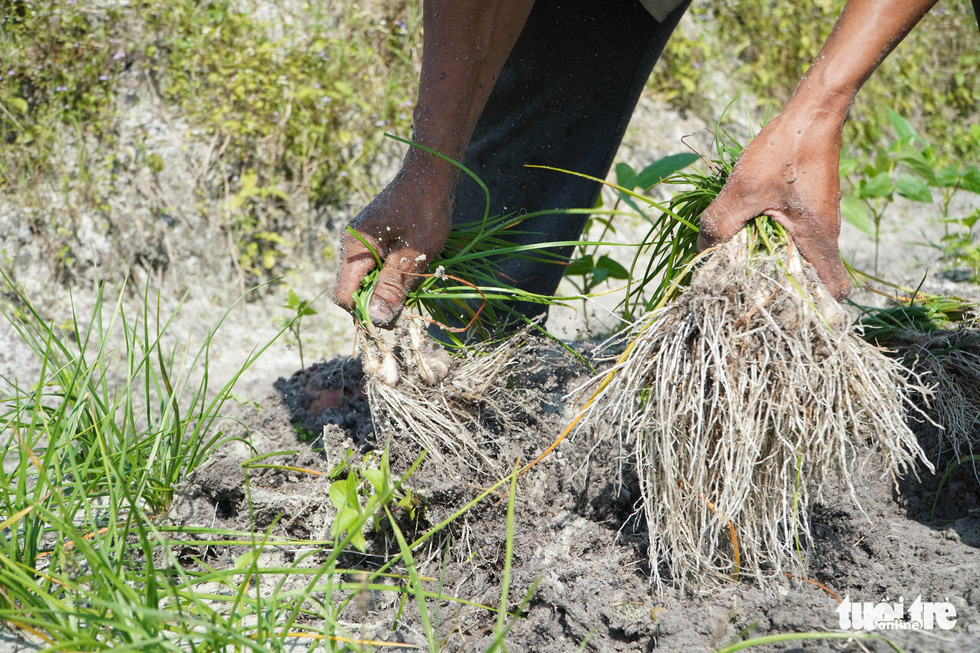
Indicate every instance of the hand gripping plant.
{"type": "Point", "coordinates": [741, 396]}
{"type": "Point", "coordinates": [434, 396]}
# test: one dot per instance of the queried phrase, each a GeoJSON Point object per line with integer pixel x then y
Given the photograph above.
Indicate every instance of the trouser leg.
{"type": "Point", "coordinates": [563, 99]}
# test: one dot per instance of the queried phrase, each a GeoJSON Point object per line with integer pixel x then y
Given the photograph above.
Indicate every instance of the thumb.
{"type": "Point", "coordinates": [819, 247]}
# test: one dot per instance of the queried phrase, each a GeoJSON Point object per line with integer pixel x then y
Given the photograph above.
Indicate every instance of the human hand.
{"type": "Point", "coordinates": [407, 225]}
{"type": "Point", "coordinates": [464, 48]}
{"type": "Point", "coordinates": [790, 173]}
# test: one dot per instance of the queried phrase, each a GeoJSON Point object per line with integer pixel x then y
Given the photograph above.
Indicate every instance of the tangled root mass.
{"type": "Point", "coordinates": [741, 399]}
{"type": "Point", "coordinates": [439, 403]}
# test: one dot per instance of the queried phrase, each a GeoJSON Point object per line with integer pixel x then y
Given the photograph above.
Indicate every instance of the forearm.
{"type": "Point", "coordinates": [790, 171]}
{"type": "Point", "coordinates": [465, 45]}
{"type": "Point", "coordinates": [866, 32]}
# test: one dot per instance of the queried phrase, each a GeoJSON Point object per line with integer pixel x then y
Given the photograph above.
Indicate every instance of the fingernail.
{"type": "Point", "coordinates": [382, 313]}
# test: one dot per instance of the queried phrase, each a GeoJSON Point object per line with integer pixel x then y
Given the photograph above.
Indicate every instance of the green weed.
{"type": "Point", "coordinates": [61, 61]}
{"type": "Point", "coordinates": [356, 483]}
{"type": "Point", "coordinates": [92, 455]}
{"type": "Point", "coordinates": [153, 430]}
{"type": "Point", "coordinates": [908, 167]}
{"type": "Point", "coordinates": [300, 308]}
{"type": "Point", "coordinates": [294, 121]}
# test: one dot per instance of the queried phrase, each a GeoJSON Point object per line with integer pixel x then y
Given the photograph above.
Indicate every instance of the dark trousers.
{"type": "Point", "coordinates": [563, 99]}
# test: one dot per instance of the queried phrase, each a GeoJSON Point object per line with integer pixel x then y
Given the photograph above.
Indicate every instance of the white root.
{"type": "Point", "coordinates": [741, 401]}
{"type": "Point", "coordinates": [378, 360]}
{"type": "Point", "coordinates": [389, 370]}
{"type": "Point", "coordinates": [424, 395]}
{"type": "Point", "coordinates": [951, 361]}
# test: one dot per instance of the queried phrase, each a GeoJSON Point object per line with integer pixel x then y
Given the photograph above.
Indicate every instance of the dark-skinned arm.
{"type": "Point", "coordinates": [465, 45]}
{"type": "Point", "coordinates": [790, 170]}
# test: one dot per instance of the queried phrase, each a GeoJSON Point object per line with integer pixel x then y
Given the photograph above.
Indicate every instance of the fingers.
{"type": "Point", "coordinates": [818, 245]}
{"type": "Point", "coordinates": [398, 276]}
{"type": "Point", "coordinates": [814, 235]}
{"type": "Point", "coordinates": [829, 268]}
{"type": "Point", "coordinates": [356, 263]}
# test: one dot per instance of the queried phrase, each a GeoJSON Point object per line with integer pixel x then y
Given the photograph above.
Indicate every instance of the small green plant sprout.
{"type": "Point", "coordinates": [909, 167]}
{"type": "Point", "coordinates": [961, 247]}
{"type": "Point", "coordinates": [351, 494]}
{"type": "Point", "coordinates": [961, 242]}
{"type": "Point", "coordinates": [301, 308]}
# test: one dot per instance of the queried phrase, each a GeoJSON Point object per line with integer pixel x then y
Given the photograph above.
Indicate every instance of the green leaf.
{"type": "Point", "coordinates": [343, 494]}
{"type": "Point", "coordinates": [847, 165]}
{"type": "Point", "coordinates": [913, 188]}
{"type": "Point", "coordinates": [246, 559]}
{"type": "Point", "coordinates": [346, 519]}
{"type": "Point", "coordinates": [377, 478]}
{"type": "Point", "coordinates": [971, 220]}
{"type": "Point", "coordinates": [582, 265]}
{"type": "Point", "coordinates": [359, 542]}
{"type": "Point", "coordinates": [20, 104]}
{"type": "Point", "coordinates": [856, 213]}
{"type": "Point", "coordinates": [656, 172]}
{"type": "Point", "coordinates": [918, 163]}
{"type": "Point", "coordinates": [612, 268]}
{"type": "Point", "coordinates": [406, 501]}
{"type": "Point", "coordinates": [970, 179]}
{"type": "Point", "coordinates": [625, 176]}
{"type": "Point", "coordinates": [947, 176]}
{"type": "Point", "coordinates": [883, 162]}
{"type": "Point", "coordinates": [337, 494]}
{"type": "Point", "coordinates": [905, 132]}
{"type": "Point", "coordinates": [878, 186]}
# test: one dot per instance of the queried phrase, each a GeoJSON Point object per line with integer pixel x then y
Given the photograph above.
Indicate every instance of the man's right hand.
{"type": "Point", "coordinates": [465, 45]}
{"type": "Point", "coordinates": [407, 225]}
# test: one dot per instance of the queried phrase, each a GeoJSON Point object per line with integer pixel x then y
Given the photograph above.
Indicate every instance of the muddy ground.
{"type": "Point", "coordinates": [577, 539]}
